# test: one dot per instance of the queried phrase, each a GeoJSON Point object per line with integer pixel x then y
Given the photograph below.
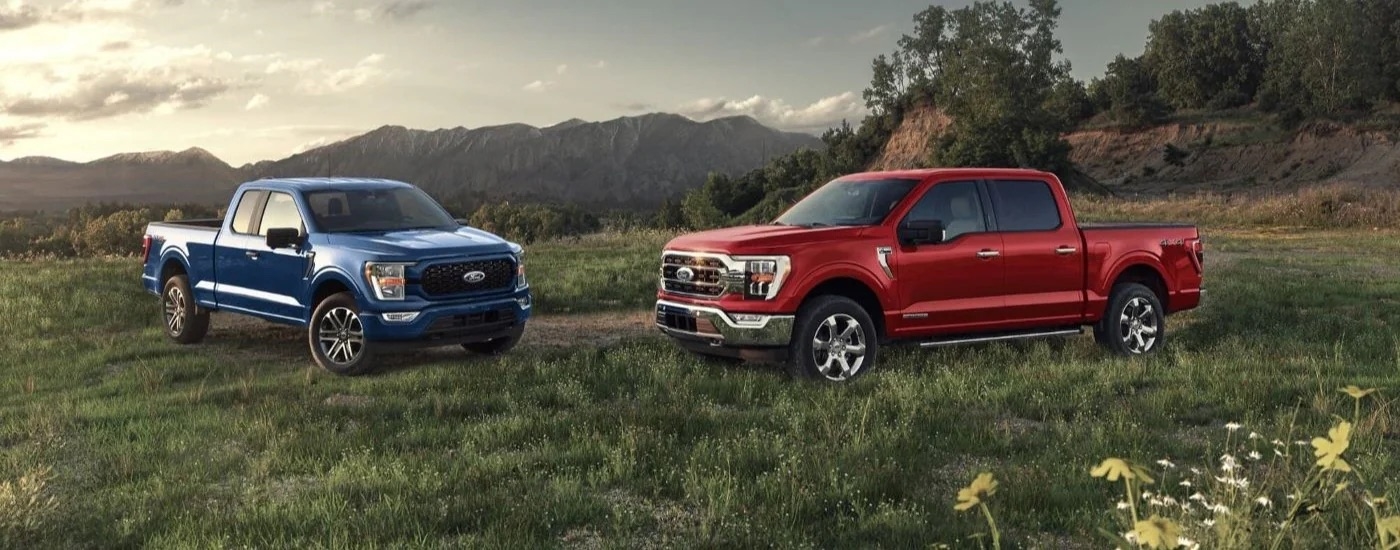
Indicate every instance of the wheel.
{"type": "Point", "coordinates": [337, 337]}
{"type": "Point", "coordinates": [1134, 322]}
{"type": "Point", "coordinates": [498, 346]}
{"type": "Point", "coordinates": [185, 321]}
{"type": "Point", "coordinates": [834, 340]}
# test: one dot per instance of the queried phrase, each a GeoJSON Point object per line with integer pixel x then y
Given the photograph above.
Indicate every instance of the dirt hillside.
{"type": "Point", "coordinates": [1214, 156]}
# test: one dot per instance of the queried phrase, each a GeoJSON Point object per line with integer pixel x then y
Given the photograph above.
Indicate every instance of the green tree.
{"type": "Point", "coordinates": [1206, 57]}
{"type": "Point", "coordinates": [1128, 93]}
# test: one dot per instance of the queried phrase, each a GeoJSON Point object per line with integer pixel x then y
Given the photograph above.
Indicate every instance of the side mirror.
{"type": "Point", "coordinates": [922, 232]}
{"type": "Point", "coordinates": [283, 237]}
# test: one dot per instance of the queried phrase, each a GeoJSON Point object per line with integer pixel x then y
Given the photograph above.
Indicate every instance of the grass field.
{"type": "Point", "coordinates": [239, 442]}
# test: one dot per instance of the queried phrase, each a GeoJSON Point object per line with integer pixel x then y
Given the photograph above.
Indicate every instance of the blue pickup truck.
{"type": "Point", "coordinates": [364, 265]}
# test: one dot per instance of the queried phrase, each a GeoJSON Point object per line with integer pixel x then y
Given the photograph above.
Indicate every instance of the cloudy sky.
{"type": "Point", "coordinates": [258, 79]}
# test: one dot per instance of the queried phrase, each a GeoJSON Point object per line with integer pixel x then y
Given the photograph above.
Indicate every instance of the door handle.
{"type": "Point", "coordinates": [1065, 250]}
{"type": "Point", "coordinates": [988, 254]}
{"type": "Point", "coordinates": [251, 254]}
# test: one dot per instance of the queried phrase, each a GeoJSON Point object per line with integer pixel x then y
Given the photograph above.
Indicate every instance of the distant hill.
{"type": "Point", "coordinates": [625, 162]}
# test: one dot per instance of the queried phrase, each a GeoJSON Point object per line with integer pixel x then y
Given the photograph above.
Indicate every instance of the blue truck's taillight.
{"type": "Point", "coordinates": [145, 248]}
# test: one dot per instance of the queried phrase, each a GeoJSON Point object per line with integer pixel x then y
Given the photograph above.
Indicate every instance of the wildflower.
{"type": "Point", "coordinates": [1220, 509]}
{"type": "Point", "coordinates": [1198, 497]}
{"type": "Point", "coordinates": [1158, 532]}
{"type": "Point", "coordinates": [972, 495]}
{"type": "Point", "coordinates": [1169, 501]}
{"type": "Point", "coordinates": [1301, 443]}
{"type": "Point", "coordinates": [1188, 543]}
{"type": "Point", "coordinates": [1233, 426]}
{"type": "Point", "coordinates": [1390, 526]}
{"type": "Point", "coordinates": [1329, 451]}
{"type": "Point", "coordinates": [1357, 393]}
{"type": "Point", "coordinates": [1208, 522]}
{"type": "Point", "coordinates": [1264, 501]}
{"type": "Point", "coordinates": [1146, 495]}
{"type": "Point", "coordinates": [1114, 468]}
{"type": "Point", "coordinates": [1166, 464]}
{"type": "Point", "coordinates": [1156, 502]}
{"type": "Point", "coordinates": [1254, 455]}
{"type": "Point", "coordinates": [1255, 435]}
{"type": "Point", "coordinates": [1277, 453]}
{"type": "Point", "coordinates": [1185, 483]}
{"type": "Point", "coordinates": [1123, 505]}
{"type": "Point", "coordinates": [1195, 470]}
{"type": "Point", "coordinates": [1278, 443]}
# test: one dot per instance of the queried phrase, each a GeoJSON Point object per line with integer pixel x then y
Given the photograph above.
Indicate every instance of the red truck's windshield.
{"type": "Point", "coordinates": [400, 209]}
{"type": "Point", "coordinates": [848, 202]}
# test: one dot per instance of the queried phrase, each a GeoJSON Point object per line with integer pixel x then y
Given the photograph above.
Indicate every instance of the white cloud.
{"type": "Point", "coordinates": [538, 86]}
{"type": "Point", "coordinates": [10, 134]}
{"type": "Point", "coordinates": [814, 41]}
{"type": "Point", "coordinates": [601, 64]}
{"type": "Point", "coordinates": [561, 69]}
{"type": "Point", "coordinates": [324, 7]}
{"type": "Point", "coordinates": [819, 115]}
{"type": "Point", "coordinates": [295, 66]}
{"type": "Point", "coordinates": [364, 15]}
{"type": "Point", "coordinates": [329, 82]}
{"type": "Point", "coordinates": [869, 34]}
{"type": "Point", "coordinates": [258, 101]}
{"type": "Point", "coordinates": [313, 144]}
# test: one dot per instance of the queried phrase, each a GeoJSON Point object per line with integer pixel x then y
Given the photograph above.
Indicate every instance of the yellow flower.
{"type": "Point", "coordinates": [1390, 526]}
{"type": "Point", "coordinates": [1329, 451]}
{"type": "Point", "coordinates": [1114, 468]}
{"type": "Point", "coordinates": [1158, 532]}
{"type": "Point", "coordinates": [972, 495]}
{"type": "Point", "coordinates": [1357, 393]}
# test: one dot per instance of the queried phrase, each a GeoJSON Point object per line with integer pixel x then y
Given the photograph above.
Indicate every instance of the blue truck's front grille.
{"type": "Point", "coordinates": [452, 278]}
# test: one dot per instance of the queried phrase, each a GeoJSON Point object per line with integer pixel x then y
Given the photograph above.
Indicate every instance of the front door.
{"type": "Point", "coordinates": [956, 285]}
{"type": "Point", "coordinates": [279, 279]}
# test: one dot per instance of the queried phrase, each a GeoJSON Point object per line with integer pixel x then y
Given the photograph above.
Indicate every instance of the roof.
{"type": "Point", "coordinates": [921, 173]}
{"type": "Point", "coordinates": [312, 184]}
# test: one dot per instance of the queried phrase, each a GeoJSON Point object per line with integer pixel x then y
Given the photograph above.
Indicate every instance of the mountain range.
{"type": "Point", "coordinates": [628, 162]}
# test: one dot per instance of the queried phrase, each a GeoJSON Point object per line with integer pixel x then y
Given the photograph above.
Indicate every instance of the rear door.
{"type": "Point", "coordinates": [1043, 254]}
{"type": "Point", "coordinates": [956, 285]}
{"type": "Point", "coordinates": [233, 265]}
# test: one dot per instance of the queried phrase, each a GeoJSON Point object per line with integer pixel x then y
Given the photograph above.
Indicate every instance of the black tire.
{"type": "Point", "coordinates": [337, 338]}
{"type": "Point", "coordinates": [815, 320]}
{"type": "Point", "coordinates": [1134, 322]}
{"type": "Point", "coordinates": [185, 322]}
{"type": "Point", "coordinates": [498, 346]}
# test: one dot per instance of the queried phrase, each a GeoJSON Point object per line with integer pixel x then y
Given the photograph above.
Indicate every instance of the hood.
{"type": "Point", "coordinates": [424, 244]}
{"type": "Point", "coordinates": [759, 239]}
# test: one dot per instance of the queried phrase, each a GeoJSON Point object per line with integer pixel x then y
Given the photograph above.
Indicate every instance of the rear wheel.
{"type": "Point", "coordinates": [1134, 322]}
{"type": "Point", "coordinates": [337, 337]}
{"type": "Point", "coordinates": [498, 346]}
{"type": "Point", "coordinates": [834, 340]}
{"type": "Point", "coordinates": [185, 321]}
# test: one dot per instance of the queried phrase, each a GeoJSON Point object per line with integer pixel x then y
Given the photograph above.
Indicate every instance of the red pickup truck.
{"type": "Point", "coordinates": [938, 257]}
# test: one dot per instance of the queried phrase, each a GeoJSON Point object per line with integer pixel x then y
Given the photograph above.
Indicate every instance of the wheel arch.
{"type": "Point", "coordinates": [1146, 274]}
{"type": "Point", "coordinates": [848, 286]}
{"type": "Point", "coordinates": [326, 284]}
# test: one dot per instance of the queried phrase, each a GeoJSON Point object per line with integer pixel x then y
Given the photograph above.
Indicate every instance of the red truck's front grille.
{"type": "Point", "coordinates": [692, 275]}
{"type": "Point", "coordinates": [448, 279]}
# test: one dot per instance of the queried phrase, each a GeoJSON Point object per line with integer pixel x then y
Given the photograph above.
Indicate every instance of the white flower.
{"type": "Point", "coordinates": [1188, 543]}
{"type": "Point", "coordinates": [1233, 426]}
{"type": "Point", "coordinates": [1169, 501]}
{"type": "Point", "coordinates": [1198, 497]}
{"type": "Point", "coordinates": [1146, 495]}
{"type": "Point", "coordinates": [1124, 505]}
{"type": "Point", "coordinates": [1185, 483]}
{"type": "Point", "coordinates": [1207, 522]}
{"type": "Point", "coordinates": [1186, 506]}
{"type": "Point", "coordinates": [1301, 443]}
{"type": "Point", "coordinates": [1166, 464]}
{"type": "Point", "coordinates": [1278, 443]}
{"type": "Point", "coordinates": [1196, 471]}
{"type": "Point", "coordinates": [1130, 536]}
{"type": "Point", "coordinates": [1277, 453]}
{"type": "Point", "coordinates": [1221, 509]}
{"type": "Point", "coordinates": [1255, 435]}
{"type": "Point", "coordinates": [1254, 455]}
{"type": "Point", "coordinates": [1265, 502]}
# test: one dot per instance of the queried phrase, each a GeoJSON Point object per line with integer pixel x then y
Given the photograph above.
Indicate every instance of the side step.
{"type": "Point", "coordinates": [1000, 336]}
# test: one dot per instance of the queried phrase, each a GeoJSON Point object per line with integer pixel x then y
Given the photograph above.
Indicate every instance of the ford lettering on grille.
{"type": "Point", "coordinates": [474, 277]}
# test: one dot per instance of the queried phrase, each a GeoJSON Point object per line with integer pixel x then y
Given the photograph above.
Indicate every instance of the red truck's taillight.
{"type": "Point", "coordinates": [1198, 251]}
{"type": "Point", "coordinates": [145, 248]}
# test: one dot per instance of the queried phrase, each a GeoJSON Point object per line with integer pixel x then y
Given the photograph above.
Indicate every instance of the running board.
{"type": "Point", "coordinates": [1001, 337]}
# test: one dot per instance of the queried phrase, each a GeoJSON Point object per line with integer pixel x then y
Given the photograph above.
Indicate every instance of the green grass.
{"type": "Point", "coordinates": [238, 441]}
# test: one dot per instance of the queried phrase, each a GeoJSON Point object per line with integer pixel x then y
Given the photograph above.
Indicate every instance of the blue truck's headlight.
{"type": "Point", "coordinates": [519, 254]}
{"type": "Point", "coordinates": [387, 280]}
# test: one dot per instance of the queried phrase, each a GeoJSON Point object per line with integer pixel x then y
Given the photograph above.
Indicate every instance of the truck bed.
{"type": "Point", "coordinates": [210, 224]}
{"type": "Point", "coordinates": [1136, 225]}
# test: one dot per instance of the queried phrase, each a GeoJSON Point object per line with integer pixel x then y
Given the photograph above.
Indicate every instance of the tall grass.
{"type": "Point", "coordinates": [1337, 206]}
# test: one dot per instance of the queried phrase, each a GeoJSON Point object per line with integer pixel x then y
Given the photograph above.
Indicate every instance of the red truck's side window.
{"type": "Point", "coordinates": [1025, 205]}
{"type": "Point", "coordinates": [956, 204]}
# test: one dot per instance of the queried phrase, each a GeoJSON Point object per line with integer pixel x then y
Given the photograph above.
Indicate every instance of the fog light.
{"type": "Point", "coordinates": [401, 317]}
{"type": "Point", "coordinates": [749, 318]}
{"type": "Point", "coordinates": [524, 302]}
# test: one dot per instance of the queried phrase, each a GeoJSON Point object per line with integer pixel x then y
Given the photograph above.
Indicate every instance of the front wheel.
{"type": "Point", "coordinates": [834, 340]}
{"type": "Point", "coordinates": [337, 337]}
{"type": "Point", "coordinates": [185, 321]}
{"type": "Point", "coordinates": [1134, 322]}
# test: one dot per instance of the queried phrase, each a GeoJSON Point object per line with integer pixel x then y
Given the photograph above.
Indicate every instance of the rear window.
{"type": "Point", "coordinates": [1025, 205]}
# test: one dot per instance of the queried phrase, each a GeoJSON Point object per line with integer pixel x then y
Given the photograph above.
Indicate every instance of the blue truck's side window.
{"type": "Point", "coordinates": [281, 213]}
{"type": "Point", "coordinates": [243, 216]}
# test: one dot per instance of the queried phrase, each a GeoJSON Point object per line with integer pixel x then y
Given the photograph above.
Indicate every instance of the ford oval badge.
{"type": "Point", "coordinates": [474, 277]}
{"type": "Point", "coordinates": [685, 274]}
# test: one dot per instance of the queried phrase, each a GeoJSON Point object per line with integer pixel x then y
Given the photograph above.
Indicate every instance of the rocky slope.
{"type": "Point", "coordinates": [627, 162]}
{"type": "Point", "coordinates": [1212, 156]}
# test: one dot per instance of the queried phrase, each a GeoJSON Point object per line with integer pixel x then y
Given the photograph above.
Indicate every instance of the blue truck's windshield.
{"type": "Point", "coordinates": [848, 202]}
{"type": "Point", "coordinates": [364, 210]}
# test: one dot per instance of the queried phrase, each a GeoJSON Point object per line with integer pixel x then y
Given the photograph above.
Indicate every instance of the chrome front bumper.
{"type": "Point", "coordinates": [719, 328]}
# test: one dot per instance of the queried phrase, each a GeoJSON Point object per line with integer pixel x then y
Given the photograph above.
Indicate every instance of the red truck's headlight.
{"type": "Point", "coordinates": [763, 277]}
{"type": "Point", "coordinates": [387, 280]}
